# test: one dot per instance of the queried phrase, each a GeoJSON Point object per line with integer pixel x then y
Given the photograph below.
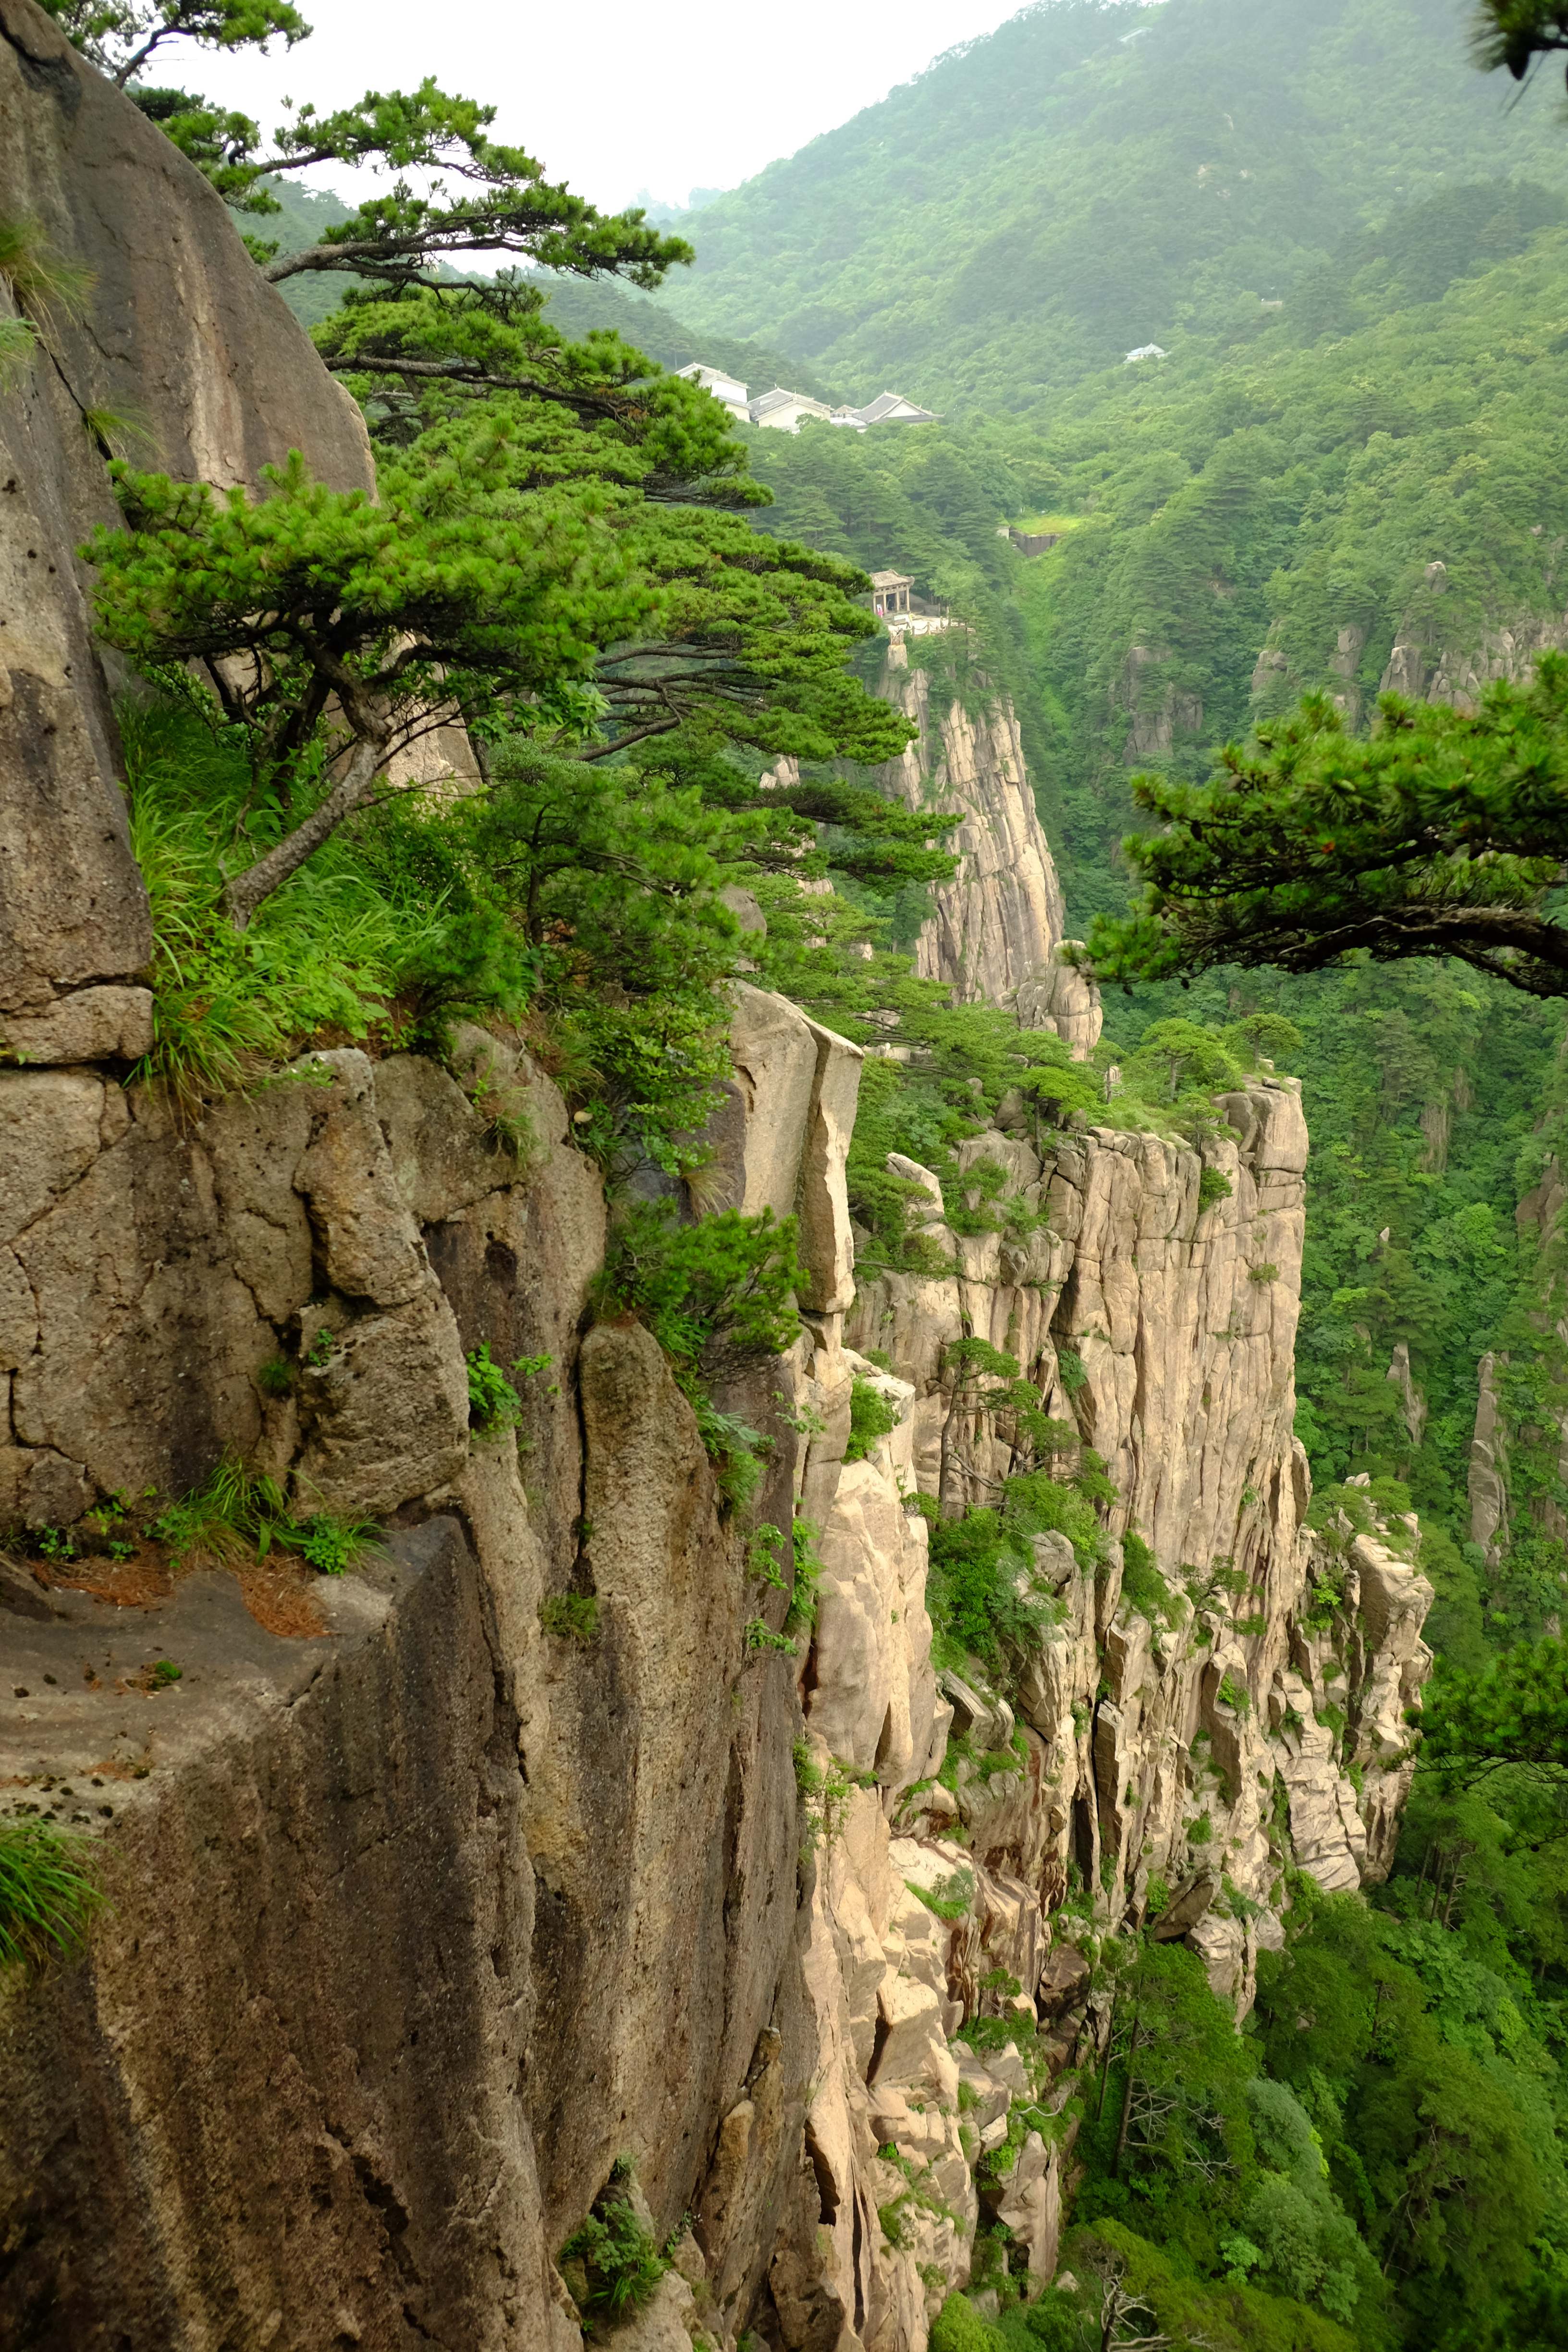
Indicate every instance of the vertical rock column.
{"type": "Point", "coordinates": [1001, 914]}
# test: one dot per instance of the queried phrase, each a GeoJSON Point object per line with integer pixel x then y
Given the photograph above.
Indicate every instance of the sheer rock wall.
{"type": "Point", "coordinates": [178, 333]}
{"type": "Point", "coordinates": [1151, 1772]}
{"type": "Point", "coordinates": [424, 1914]}
{"type": "Point", "coordinates": [446, 1910]}
{"type": "Point", "coordinates": [1001, 916]}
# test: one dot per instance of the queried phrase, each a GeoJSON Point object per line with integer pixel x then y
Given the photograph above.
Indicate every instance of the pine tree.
{"type": "Point", "coordinates": [1442, 833]}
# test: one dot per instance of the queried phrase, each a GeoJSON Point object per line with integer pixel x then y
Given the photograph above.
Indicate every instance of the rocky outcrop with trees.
{"type": "Point", "coordinates": [533, 1791]}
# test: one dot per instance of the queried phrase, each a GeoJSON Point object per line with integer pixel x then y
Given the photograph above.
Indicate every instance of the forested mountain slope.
{"type": "Point", "coordinates": [1378, 469]}
{"type": "Point", "coordinates": [1283, 496]}
{"type": "Point", "coordinates": [1093, 177]}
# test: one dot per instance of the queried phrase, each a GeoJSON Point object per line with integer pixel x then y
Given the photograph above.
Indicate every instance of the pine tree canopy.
{"type": "Point", "coordinates": [419, 355]}
{"type": "Point", "coordinates": [119, 35]}
{"type": "Point", "coordinates": [507, 204]}
{"type": "Point", "coordinates": [1514, 33]}
{"type": "Point", "coordinates": [487, 583]}
{"type": "Point", "coordinates": [1514, 1713]}
{"type": "Point", "coordinates": [1441, 833]}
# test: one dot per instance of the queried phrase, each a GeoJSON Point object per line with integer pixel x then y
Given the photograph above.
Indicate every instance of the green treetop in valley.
{"type": "Point", "coordinates": [1439, 834]}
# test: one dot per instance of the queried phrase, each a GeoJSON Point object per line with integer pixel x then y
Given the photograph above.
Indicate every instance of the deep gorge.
{"type": "Point", "coordinates": [602, 1841]}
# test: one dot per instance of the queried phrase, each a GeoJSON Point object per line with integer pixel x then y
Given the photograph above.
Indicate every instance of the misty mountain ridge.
{"type": "Point", "coordinates": [1097, 175]}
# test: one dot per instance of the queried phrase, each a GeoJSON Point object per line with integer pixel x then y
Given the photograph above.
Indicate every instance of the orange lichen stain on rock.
{"type": "Point", "coordinates": [281, 1596]}
{"type": "Point", "coordinates": [276, 1591]}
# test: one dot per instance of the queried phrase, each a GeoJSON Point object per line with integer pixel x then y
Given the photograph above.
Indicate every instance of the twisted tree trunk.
{"type": "Point", "coordinates": [247, 892]}
{"type": "Point", "coordinates": [1126, 2105]}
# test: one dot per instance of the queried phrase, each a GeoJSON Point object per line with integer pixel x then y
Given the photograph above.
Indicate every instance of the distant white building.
{"type": "Point", "coordinates": [891, 592]}
{"type": "Point", "coordinates": [784, 410]}
{"type": "Point", "coordinates": [1145, 351]}
{"type": "Point", "coordinates": [893, 601]}
{"type": "Point", "coordinates": [726, 388]}
{"type": "Point", "coordinates": [891, 408]}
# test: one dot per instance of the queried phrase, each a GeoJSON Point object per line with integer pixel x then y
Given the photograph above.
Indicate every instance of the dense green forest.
{"type": "Point", "coordinates": [1290, 494]}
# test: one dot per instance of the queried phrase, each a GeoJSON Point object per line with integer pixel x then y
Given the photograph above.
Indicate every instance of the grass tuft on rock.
{"type": "Point", "coordinates": [47, 1893]}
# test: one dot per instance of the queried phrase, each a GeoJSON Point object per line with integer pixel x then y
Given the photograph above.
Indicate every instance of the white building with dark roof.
{"type": "Point", "coordinates": [726, 388]}
{"type": "Point", "coordinates": [785, 410]}
{"type": "Point", "coordinates": [892, 408]}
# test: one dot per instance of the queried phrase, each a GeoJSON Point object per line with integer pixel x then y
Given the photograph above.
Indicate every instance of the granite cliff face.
{"type": "Point", "coordinates": [1155, 1773]}
{"type": "Point", "coordinates": [180, 337]}
{"type": "Point", "coordinates": [446, 1910]}
{"type": "Point", "coordinates": [1440, 654]}
{"type": "Point", "coordinates": [443, 1910]}
{"type": "Point", "coordinates": [1001, 916]}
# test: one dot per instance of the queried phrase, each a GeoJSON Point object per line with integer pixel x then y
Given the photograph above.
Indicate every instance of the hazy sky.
{"type": "Point", "coordinates": [622, 96]}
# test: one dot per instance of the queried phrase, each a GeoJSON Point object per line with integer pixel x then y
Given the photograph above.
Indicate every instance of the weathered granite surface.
{"type": "Point", "coordinates": [646, 1942]}
{"type": "Point", "coordinates": [419, 1863]}
{"type": "Point", "coordinates": [1001, 916]}
{"type": "Point", "coordinates": [178, 333]}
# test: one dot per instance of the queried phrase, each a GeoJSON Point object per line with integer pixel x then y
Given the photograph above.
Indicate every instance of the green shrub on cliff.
{"type": "Point", "coordinates": [571, 1616]}
{"type": "Point", "coordinates": [871, 1418]}
{"type": "Point", "coordinates": [328, 950]}
{"type": "Point", "coordinates": [824, 1793]}
{"type": "Point", "coordinates": [958, 2327]}
{"type": "Point", "coordinates": [611, 2263]}
{"type": "Point", "coordinates": [235, 1515]}
{"type": "Point", "coordinates": [494, 1402]}
{"type": "Point", "coordinates": [719, 1297]}
{"type": "Point", "coordinates": [1054, 2324]}
{"type": "Point", "coordinates": [987, 1599]}
{"type": "Point", "coordinates": [1143, 1587]}
{"type": "Point", "coordinates": [47, 1893]}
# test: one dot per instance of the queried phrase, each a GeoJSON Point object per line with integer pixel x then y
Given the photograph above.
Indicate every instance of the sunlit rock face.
{"type": "Point", "coordinates": [1001, 917]}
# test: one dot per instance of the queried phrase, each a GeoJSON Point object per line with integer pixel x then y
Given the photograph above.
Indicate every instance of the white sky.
{"type": "Point", "coordinates": [623, 97]}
